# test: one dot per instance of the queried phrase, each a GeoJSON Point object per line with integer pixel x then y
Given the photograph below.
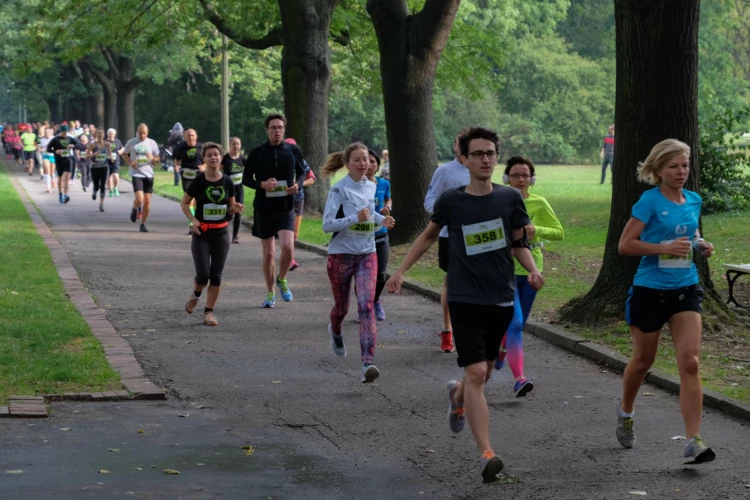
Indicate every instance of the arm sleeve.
{"type": "Point", "coordinates": [519, 217]}
{"type": "Point", "coordinates": [248, 175]}
{"type": "Point", "coordinates": [642, 210]}
{"type": "Point", "coordinates": [330, 223]}
{"type": "Point", "coordinates": [440, 214]}
{"type": "Point", "coordinates": [51, 146]}
{"type": "Point", "coordinates": [551, 229]}
{"type": "Point", "coordinates": [194, 189]}
{"type": "Point", "coordinates": [435, 190]}
{"type": "Point", "coordinates": [299, 167]}
{"type": "Point", "coordinates": [230, 188]}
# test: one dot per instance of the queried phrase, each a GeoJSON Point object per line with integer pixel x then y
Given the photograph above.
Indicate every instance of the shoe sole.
{"type": "Point", "coordinates": [447, 350]}
{"type": "Point", "coordinates": [525, 389]}
{"type": "Point", "coordinates": [189, 309]}
{"type": "Point", "coordinates": [211, 324]}
{"type": "Point", "coordinates": [707, 455]}
{"type": "Point", "coordinates": [371, 374]}
{"type": "Point", "coordinates": [492, 469]}
{"type": "Point", "coordinates": [268, 306]}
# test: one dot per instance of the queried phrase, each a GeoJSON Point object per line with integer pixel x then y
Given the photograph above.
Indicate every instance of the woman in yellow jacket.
{"type": "Point", "coordinates": [544, 225]}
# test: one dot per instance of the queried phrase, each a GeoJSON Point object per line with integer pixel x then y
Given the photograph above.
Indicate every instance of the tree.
{"type": "Point", "coordinates": [656, 99]}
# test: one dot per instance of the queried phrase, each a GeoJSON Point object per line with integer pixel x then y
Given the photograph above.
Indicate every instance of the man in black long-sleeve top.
{"type": "Point", "coordinates": [275, 170]}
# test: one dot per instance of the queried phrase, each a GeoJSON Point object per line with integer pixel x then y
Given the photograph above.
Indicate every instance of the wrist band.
{"type": "Point", "coordinates": [697, 241]}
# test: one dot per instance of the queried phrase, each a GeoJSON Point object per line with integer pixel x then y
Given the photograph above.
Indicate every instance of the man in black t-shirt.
{"type": "Point", "coordinates": [62, 147]}
{"type": "Point", "coordinates": [485, 224]}
{"type": "Point", "coordinates": [188, 161]}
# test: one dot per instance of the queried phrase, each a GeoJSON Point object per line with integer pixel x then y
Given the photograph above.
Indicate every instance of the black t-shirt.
{"type": "Point", "coordinates": [233, 167]}
{"type": "Point", "coordinates": [59, 142]}
{"type": "Point", "coordinates": [211, 198]}
{"type": "Point", "coordinates": [480, 231]}
{"type": "Point", "coordinates": [114, 147]}
{"type": "Point", "coordinates": [190, 158]}
{"type": "Point", "coordinates": [283, 162]}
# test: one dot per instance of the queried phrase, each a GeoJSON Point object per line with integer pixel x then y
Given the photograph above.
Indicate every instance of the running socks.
{"type": "Point", "coordinates": [207, 310]}
{"type": "Point", "coordinates": [197, 293]}
{"type": "Point", "coordinates": [627, 415]}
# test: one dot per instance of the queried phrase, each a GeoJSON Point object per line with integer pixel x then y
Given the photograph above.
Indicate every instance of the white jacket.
{"type": "Point", "coordinates": [345, 199]}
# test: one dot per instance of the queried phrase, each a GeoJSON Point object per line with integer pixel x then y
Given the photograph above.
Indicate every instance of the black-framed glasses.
{"type": "Point", "coordinates": [478, 155]}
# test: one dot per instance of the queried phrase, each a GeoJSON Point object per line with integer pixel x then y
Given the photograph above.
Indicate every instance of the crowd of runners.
{"type": "Point", "coordinates": [490, 239]}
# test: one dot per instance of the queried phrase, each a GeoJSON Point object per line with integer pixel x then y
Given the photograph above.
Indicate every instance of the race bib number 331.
{"type": "Point", "coordinates": [484, 237]}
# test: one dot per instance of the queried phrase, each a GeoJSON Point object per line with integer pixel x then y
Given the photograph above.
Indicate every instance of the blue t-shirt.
{"type": "Point", "coordinates": [665, 221]}
{"type": "Point", "coordinates": [382, 193]}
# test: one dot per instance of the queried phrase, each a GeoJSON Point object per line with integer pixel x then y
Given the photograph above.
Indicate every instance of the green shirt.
{"type": "Point", "coordinates": [29, 141]}
{"type": "Point", "coordinates": [547, 228]}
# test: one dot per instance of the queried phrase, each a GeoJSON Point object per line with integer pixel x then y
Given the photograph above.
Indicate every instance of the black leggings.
{"type": "Point", "coordinates": [239, 197]}
{"type": "Point", "coordinates": [382, 249]}
{"type": "Point", "coordinates": [100, 175]}
{"type": "Point", "coordinates": [210, 251]}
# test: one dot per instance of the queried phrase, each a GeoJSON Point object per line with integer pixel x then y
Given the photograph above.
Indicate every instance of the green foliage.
{"type": "Point", "coordinates": [723, 161]}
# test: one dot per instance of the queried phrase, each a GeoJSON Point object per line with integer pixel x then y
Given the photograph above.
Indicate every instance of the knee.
{"type": "Point", "coordinates": [689, 364]}
{"type": "Point", "coordinates": [642, 362]}
{"type": "Point", "coordinates": [269, 255]}
{"type": "Point", "coordinates": [201, 279]}
{"type": "Point", "coordinates": [476, 374]}
{"type": "Point", "coordinates": [215, 279]}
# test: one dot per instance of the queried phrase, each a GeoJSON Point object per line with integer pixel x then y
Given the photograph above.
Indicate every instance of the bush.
{"type": "Point", "coordinates": [724, 183]}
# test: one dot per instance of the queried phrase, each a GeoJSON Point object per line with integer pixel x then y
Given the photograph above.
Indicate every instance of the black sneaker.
{"type": "Point", "coordinates": [133, 214]}
{"type": "Point", "coordinates": [143, 229]}
{"type": "Point", "coordinates": [84, 189]}
{"type": "Point", "coordinates": [66, 199]}
{"type": "Point", "coordinates": [93, 195]}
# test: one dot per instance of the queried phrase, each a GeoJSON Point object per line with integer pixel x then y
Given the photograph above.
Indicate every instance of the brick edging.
{"type": "Point", "coordinates": [117, 350]}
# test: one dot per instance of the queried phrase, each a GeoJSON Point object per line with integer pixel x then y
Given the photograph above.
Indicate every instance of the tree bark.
{"type": "Point", "coordinates": [96, 103]}
{"type": "Point", "coordinates": [54, 108]}
{"type": "Point", "coordinates": [126, 110]}
{"type": "Point", "coordinates": [410, 48]}
{"type": "Point", "coordinates": [656, 98]}
{"type": "Point", "coordinates": [109, 95]}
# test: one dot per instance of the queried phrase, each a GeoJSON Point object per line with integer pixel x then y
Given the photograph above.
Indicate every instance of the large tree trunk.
{"type": "Point", "coordinates": [54, 108]}
{"type": "Point", "coordinates": [109, 96]}
{"type": "Point", "coordinates": [410, 49]}
{"type": "Point", "coordinates": [656, 98]}
{"type": "Point", "coordinates": [125, 110]}
{"type": "Point", "coordinates": [96, 104]}
{"type": "Point", "coordinates": [86, 106]}
{"type": "Point", "coordinates": [306, 80]}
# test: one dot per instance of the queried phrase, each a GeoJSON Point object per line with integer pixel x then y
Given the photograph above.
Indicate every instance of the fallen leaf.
{"type": "Point", "coordinates": [200, 464]}
{"type": "Point", "coordinates": [678, 438]}
{"type": "Point", "coordinates": [103, 471]}
{"type": "Point", "coordinates": [276, 381]}
{"type": "Point", "coordinates": [114, 450]}
{"type": "Point", "coordinates": [400, 332]}
{"type": "Point", "coordinates": [14, 293]}
{"type": "Point", "coordinates": [66, 429]}
{"type": "Point", "coordinates": [171, 472]}
{"type": "Point", "coordinates": [677, 490]}
{"type": "Point", "coordinates": [183, 415]}
{"type": "Point", "coordinates": [138, 469]}
{"type": "Point", "coordinates": [190, 342]}
{"type": "Point", "coordinates": [248, 450]}
{"type": "Point", "coordinates": [430, 451]}
{"type": "Point", "coordinates": [638, 493]}
{"type": "Point", "coordinates": [141, 431]}
{"type": "Point", "coordinates": [14, 472]}
{"type": "Point", "coordinates": [150, 330]}
{"type": "Point", "coordinates": [108, 305]}
{"type": "Point", "coordinates": [649, 394]}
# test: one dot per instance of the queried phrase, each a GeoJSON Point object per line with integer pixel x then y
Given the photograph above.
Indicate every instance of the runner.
{"type": "Point", "coordinates": [663, 230]}
{"type": "Point", "coordinates": [215, 202]}
{"type": "Point", "coordinates": [62, 146]}
{"type": "Point", "coordinates": [84, 165]}
{"type": "Point", "coordinates": [484, 222]}
{"type": "Point", "coordinates": [29, 141]}
{"type": "Point", "coordinates": [275, 170]}
{"type": "Point", "coordinates": [386, 173]}
{"type": "Point", "coordinates": [384, 206]}
{"type": "Point", "coordinates": [351, 216]}
{"type": "Point", "coordinates": [233, 164]}
{"type": "Point", "coordinates": [14, 142]}
{"type": "Point", "coordinates": [448, 176]}
{"type": "Point", "coordinates": [520, 174]}
{"type": "Point", "coordinates": [115, 150]}
{"type": "Point", "coordinates": [98, 153]}
{"type": "Point", "coordinates": [188, 161]}
{"type": "Point", "coordinates": [175, 137]}
{"type": "Point", "coordinates": [140, 154]}
{"type": "Point", "coordinates": [299, 201]}
{"type": "Point", "coordinates": [48, 159]}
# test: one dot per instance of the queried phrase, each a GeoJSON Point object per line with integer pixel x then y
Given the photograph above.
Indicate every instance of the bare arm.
{"type": "Point", "coordinates": [631, 245]}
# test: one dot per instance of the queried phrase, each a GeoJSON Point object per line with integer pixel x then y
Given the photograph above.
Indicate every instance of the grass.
{"type": "Point", "coordinates": [45, 345]}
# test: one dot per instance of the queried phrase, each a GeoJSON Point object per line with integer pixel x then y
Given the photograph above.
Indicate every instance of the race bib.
{"type": "Point", "coordinates": [141, 159]}
{"type": "Point", "coordinates": [188, 173]}
{"type": "Point", "coordinates": [484, 237]}
{"type": "Point", "coordinates": [113, 156]}
{"type": "Point", "coordinates": [362, 229]}
{"type": "Point", "coordinates": [279, 191]}
{"type": "Point", "coordinates": [672, 262]}
{"type": "Point", "coordinates": [65, 153]}
{"type": "Point", "coordinates": [101, 158]}
{"type": "Point", "coordinates": [214, 212]}
{"type": "Point", "coordinates": [236, 178]}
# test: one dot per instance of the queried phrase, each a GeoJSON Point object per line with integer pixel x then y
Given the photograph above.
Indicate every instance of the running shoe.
{"type": "Point", "coordinates": [500, 360]}
{"type": "Point", "coordinates": [60, 198]}
{"type": "Point", "coordinates": [101, 207]}
{"type": "Point", "coordinates": [491, 466]}
{"type": "Point", "coordinates": [210, 319]}
{"type": "Point", "coordinates": [133, 214]}
{"type": "Point", "coordinates": [379, 312]}
{"type": "Point", "coordinates": [270, 300]}
{"type": "Point", "coordinates": [293, 265]}
{"type": "Point", "coordinates": [337, 343]}
{"type": "Point", "coordinates": [699, 451]}
{"type": "Point", "coordinates": [447, 343]}
{"type": "Point", "coordinates": [66, 198]}
{"type": "Point", "coordinates": [625, 431]}
{"type": "Point", "coordinates": [522, 387]}
{"type": "Point", "coordinates": [84, 188]}
{"type": "Point", "coordinates": [456, 417]}
{"type": "Point", "coordinates": [191, 303]}
{"type": "Point", "coordinates": [111, 193]}
{"type": "Point", "coordinates": [93, 195]}
{"type": "Point", "coordinates": [236, 240]}
{"type": "Point", "coordinates": [117, 192]}
{"type": "Point", "coordinates": [369, 373]}
{"type": "Point", "coordinates": [138, 216]}
{"type": "Point", "coordinates": [143, 228]}
{"type": "Point", "coordinates": [286, 293]}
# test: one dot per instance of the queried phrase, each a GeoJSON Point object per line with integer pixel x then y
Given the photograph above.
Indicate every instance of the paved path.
{"type": "Point", "coordinates": [268, 378]}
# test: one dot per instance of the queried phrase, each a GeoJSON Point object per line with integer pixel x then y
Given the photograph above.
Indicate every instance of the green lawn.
{"type": "Point", "coordinates": [45, 345]}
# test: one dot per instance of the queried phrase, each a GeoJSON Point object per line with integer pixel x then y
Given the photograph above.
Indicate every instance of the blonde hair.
{"type": "Point", "coordinates": [660, 155]}
{"type": "Point", "coordinates": [337, 161]}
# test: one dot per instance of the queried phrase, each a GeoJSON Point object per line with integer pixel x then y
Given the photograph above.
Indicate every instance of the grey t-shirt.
{"type": "Point", "coordinates": [137, 150]}
{"type": "Point", "coordinates": [479, 238]}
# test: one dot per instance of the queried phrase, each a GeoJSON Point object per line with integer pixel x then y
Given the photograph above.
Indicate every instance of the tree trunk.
{"type": "Point", "coordinates": [656, 98]}
{"type": "Point", "coordinates": [54, 108]}
{"type": "Point", "coordinates": [86, 106]}
{"type": "Point", "coordinates": [306, 80]}
{"type": "Point", "coordinates": [96, 103]}
{"type": "Point", "coordinates": [125, 110]}
{"type": "Point", "coordinates": [410, 48]}
{"type": "Point", "coordinates": [109, 96]}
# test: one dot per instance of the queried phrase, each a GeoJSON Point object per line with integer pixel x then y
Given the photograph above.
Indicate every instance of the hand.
{"type": "Point", "coordinates": [196, 227]}
{"type": "Point", "coordinates": [239, 208]}
{"type": "Point", "coordinates": [202, 168]}
{"type": "Point", "coordinates": [270, 184]}
{"type": "Point", "coordinates": [601, 155]}
{"type": "Point", "coordinates": [388, 222]}
{"type": "Point", "coordinates": [292, 190]}
{"type": "Point", "coordinates": [70, 146]}
{"type": "Point", "coordinates": [535, 280]}
{"type": "Point", "coordinates": [706, 249]}
{"type": "Point", "coordinates": [386, 210]}
{"type": "Point", "coordinates": [530, 231]}
{"type": "Point", "coordinates": [149, 157]}
{"type": "Point", "coordinates": [393, 285]}
{"type": "Point", "coordinates": [363, 215]}
{"type": "Point", "coordinates": [678, 248]}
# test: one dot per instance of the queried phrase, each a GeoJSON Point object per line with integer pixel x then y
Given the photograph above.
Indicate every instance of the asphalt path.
{"type": "Point", "coordinates": [268, 378]}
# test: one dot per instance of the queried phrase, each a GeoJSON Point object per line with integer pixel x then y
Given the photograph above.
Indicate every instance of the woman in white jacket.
{"type": "Point", "coordinates": [351, 216]}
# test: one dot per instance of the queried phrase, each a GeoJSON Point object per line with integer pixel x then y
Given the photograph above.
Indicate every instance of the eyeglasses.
{"type": "Point", "coordinates": [520, 176]}
{"type": "Point", "coordinates": [276, 127]}
{"type": "Point", "coordinates": [478, 155]}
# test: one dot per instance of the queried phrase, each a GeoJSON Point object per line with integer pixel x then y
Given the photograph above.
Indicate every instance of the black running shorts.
{"type": "Point", "coordinates": [648, 308]}
{"type": "Point", "coordinates": [267, 224]}
{"type": "Point", "coordinates": [145, 184]}
{"type": "Point", "coordinates": [478, 330]}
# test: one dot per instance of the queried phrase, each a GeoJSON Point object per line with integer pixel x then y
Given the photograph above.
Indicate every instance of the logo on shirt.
{"type": "Point", "coordinates": [215, 194]}
{"type": "Point", "coordinates": [191, 153]}
{"type": "Point", "coordinates": [63, 143]}
{"type": "Point", "coordinates": [666, 212]}
{"type": "Point", "coordinates": [681, 229]}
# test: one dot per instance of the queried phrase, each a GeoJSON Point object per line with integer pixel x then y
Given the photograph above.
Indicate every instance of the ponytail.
{"type": "Point", "coordinates": [337, 161]}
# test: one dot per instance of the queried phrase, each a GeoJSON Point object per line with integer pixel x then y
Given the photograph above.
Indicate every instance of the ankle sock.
{"type": "Point", "coordinates": [197, 293]}
{"type": "Point", "coordinates": [207, 310]}
{"type": "Point", "coordinates": [627, 415]}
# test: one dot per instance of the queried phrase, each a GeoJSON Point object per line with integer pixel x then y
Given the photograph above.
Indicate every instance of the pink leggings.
{"type": "Point", "coordinates": [364, 270]}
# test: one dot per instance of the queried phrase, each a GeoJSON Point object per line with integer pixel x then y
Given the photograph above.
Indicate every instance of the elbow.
{"type": "Point", "coordinates": [623, 248]}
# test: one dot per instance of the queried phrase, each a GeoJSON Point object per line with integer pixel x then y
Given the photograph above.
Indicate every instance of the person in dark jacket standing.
{"type": "Point", "coordinates": [607, 153]}
{"type": "Point", "coordinates": [275, 170]}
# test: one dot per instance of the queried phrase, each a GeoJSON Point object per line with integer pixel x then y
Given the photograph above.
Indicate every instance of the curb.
{"type": "Point", "coordinates": [573, 343]}
{"type": "Point", "coordinates": [117, 350]}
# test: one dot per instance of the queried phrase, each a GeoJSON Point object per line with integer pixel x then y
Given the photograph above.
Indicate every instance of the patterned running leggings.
{"type": "Point", "coordinates": [364, 270]}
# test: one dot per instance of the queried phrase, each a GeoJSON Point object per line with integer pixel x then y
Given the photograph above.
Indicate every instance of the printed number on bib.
{"type": "Point", "coordinates": [484, 237]}
{"type": "Point", "coordinates": [213, 212]}
{"type": "Point", "coordinates": [362, 229]}
{"type": "Point", "coordinates": [279, 191]}
{"type": "Point", "coordinates": [101, 158]}
{"type": "Point", "coordinates": [672, 262]}
{"type": "Point", "coordinates": [140, 155]}
{"type": "Point", "coordinates": [65, 153]}
{"type": "Point", "coordinates": [113, 156]}
{"type": "Point", "coordinates": [188, 173]}
{"type": "Point", "coordinates": [236, 178]}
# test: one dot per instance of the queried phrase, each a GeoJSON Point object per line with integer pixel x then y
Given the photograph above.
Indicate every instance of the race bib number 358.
{"type": "Point", "coordinates": [484, 237]}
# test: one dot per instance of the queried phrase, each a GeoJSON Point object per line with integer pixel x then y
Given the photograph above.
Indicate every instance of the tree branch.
{"type": "Point", "coordinates": [111, 63]}
{"type": "Point", "coordinates": [344, 38]}
{"type": "Point", "coordinates": [434, 22]}
{"type": "Point", "coordinates": [273, 38]}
